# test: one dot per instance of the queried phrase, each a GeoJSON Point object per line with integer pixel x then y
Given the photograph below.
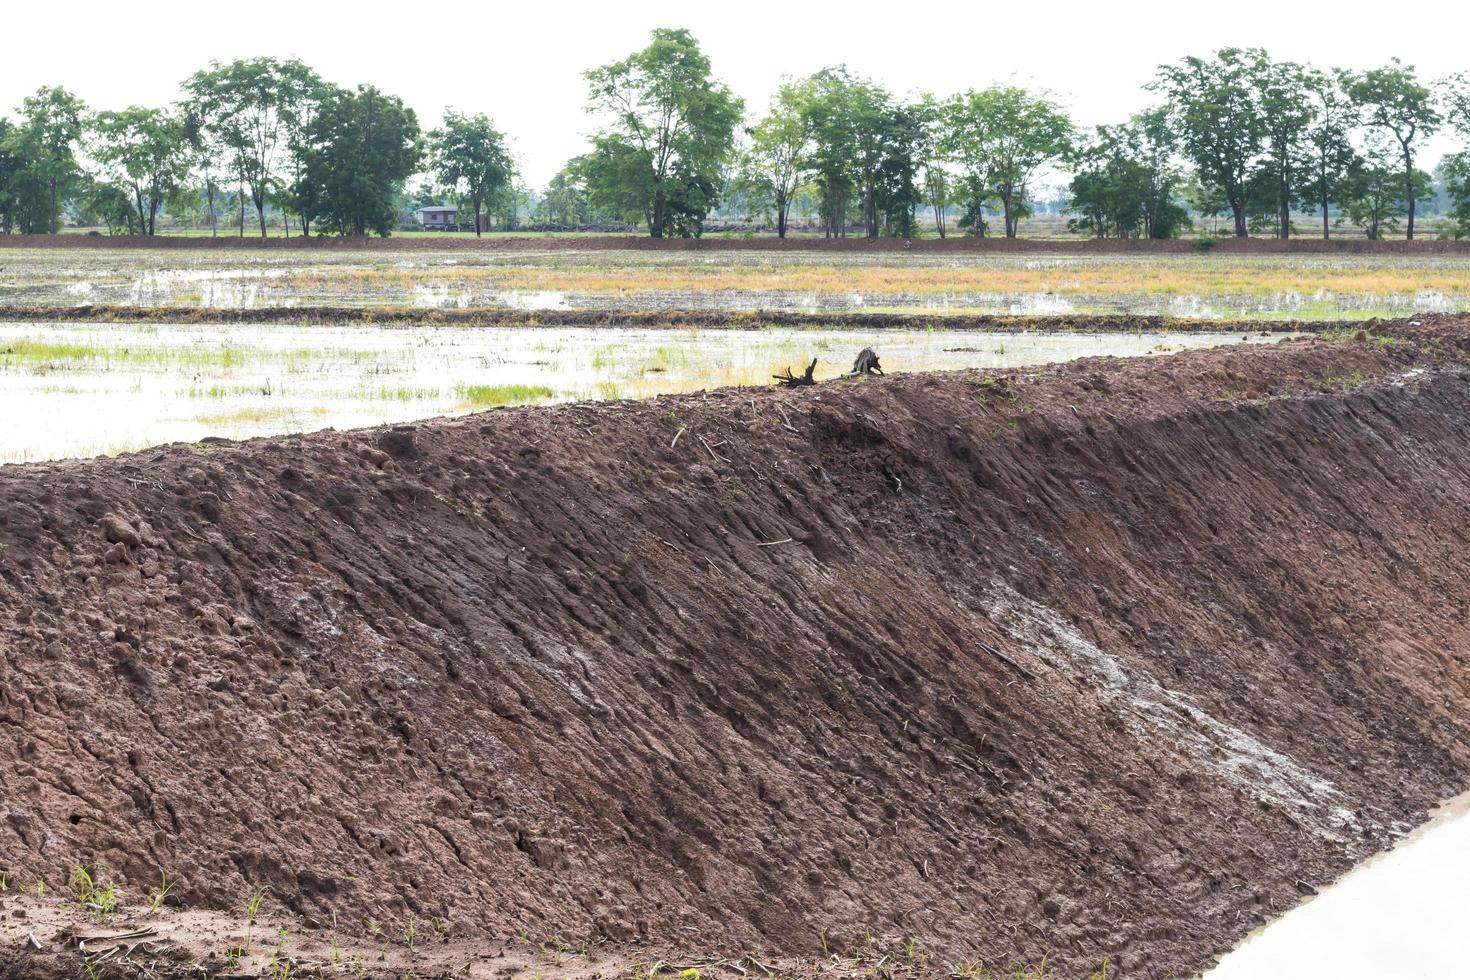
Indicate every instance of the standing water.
{"type": "Point", "coordinates": [71, 390]}
{"type": "Point", "coordinates": [1404, 913]}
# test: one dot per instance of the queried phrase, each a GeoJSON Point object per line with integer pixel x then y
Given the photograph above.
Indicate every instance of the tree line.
{"type": "Point", "coordinates": [271, 133]}
{"type": "Point", "coordinates": [1236, 133]}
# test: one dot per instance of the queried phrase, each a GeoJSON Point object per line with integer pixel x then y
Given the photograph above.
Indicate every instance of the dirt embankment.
{"type": "Point", "coordinates": [531, 241]}
{"type": "Point", "coordinates": [499, 316]}
{"type": "Point", "coordinates": [1109, 659]}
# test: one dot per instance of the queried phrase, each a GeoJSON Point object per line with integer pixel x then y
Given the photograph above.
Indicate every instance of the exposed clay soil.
{"type": "Point", "coordinates": [1111, 659]}
{"type": "Point", "coordinates": [705, 319]}
{"type": "Point", "coordinates": [534, 241]}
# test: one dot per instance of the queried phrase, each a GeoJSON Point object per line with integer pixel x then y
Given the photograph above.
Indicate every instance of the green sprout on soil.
{"type": "Point", "coordinates": [4, 875]}
{"type": "Point", "coordinates": [410, 932]}
{"type": "Point", "coordinates": [233, 956]}
{"type": "Point", "coordinates": [159, 894]}
{"type": "Point", "coordinates": [252, 912]}
{"type": "Point", "coordinates": [489, 396]}
{"type": "Point", "coordinates": [100, 900]}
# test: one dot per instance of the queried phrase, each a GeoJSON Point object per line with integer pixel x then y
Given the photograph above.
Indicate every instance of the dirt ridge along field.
{"type": "Point", "coordinates": [1111, 659]}
{"type": "Point", "coordinates": [643, 318]}
{"type": "Point", "coordinates": [544, 241]}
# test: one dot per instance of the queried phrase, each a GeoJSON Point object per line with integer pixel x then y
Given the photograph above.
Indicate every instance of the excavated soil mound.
{"type": "Point", "coordinates": [1109, 659]}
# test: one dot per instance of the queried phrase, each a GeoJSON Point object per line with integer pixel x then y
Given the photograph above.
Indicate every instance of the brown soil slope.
{"type": "Point", "coordinates": [1106, 659]}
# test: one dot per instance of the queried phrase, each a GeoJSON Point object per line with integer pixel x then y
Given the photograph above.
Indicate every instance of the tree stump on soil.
{"type": "Point", "coordinates": [792, 381]}
{"type": "Point", "coordinates": [866, 363]}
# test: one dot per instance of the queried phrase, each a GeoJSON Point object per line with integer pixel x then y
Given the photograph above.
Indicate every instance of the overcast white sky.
{"type": "Point", "coordinates": [521, 63]}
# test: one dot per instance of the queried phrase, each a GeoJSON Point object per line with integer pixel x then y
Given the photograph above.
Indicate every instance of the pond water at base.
{"type": "Point", "coordinates": [1403, 914]}
{"type": "Point", "coordinates": [69, 390]}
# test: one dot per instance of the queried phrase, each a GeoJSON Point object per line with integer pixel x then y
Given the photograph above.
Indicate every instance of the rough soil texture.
{"type": "Point", "coordinates": [704, 319]}
{"type": "Point", "coordinates": [1107, 659]}
{"type": "Point", "coordinates": [544, 241]}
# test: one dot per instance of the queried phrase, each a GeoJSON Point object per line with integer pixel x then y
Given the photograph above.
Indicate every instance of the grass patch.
{"type": "Point", "coordinates": [93, 896]}
{"type": "Point", "coordinates": [489, 396]}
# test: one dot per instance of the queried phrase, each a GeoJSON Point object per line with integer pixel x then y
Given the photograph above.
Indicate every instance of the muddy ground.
{"type": "Point", "coordinates": [1107, 660]}
{"type": "Point", "coordinates": [535, 241]}
{"type": "Point", "coordinates": [644, 318]}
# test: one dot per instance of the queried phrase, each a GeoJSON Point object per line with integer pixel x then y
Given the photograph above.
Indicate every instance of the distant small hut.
{"type": "Point", "coordinates": [438, 217]}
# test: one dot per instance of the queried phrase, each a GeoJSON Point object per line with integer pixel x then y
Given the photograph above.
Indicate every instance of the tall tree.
{"type": "Point", "coordinates": [468, 156]}
{"type": "Point", "coordinates": [1454, 92]}
{"type": "Point", "coordinates": [253, 107]}
{"type": "Point", "coordinates": [1374, 193]}
{"type": "Point", "coordinates": [1287, 112]}
{"type": "Point", "coordinates": [1124, 185]}
{"type": "Point", "coordinates": [999, 138]}
{"type": "Point", "coordinates": [10, 167]}
{"type": "Point", "coordinates": [143, 151]}
{"type": "Point", "coordinates": [895, 196]}
{"type": "Point", "coordinates": [1329, 142]}
{"type": "Point", "coordinates": [778, 160]}
{"type": "Point", "coordinates": [935, 180]}
{"type": "Point", "coordinates": [364, 146]}
{"type": "Point", "coordinates": [670, 129]}
{"type": "Point", "coordinates": [1393, 100]}
{"type": "Point", "coordinates": [202, 151]}
{"type": "Point", "coordinates": [1218, 118]}
{"type": "Point", "coordinates": [830, 107]}
{"type": "Point", "coordinates": [45, 143]}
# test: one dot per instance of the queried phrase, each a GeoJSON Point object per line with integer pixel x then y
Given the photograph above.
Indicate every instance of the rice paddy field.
{"type": "Point", "coordinates": [1205, 286]}
{"type": "Point", "coordinates": [73, 390]}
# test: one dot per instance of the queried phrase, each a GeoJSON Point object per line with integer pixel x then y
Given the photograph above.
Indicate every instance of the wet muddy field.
{"type": "Point", "coordinates": [1222, 286]}
{"type": "Point", "coordinates": [82, 389]}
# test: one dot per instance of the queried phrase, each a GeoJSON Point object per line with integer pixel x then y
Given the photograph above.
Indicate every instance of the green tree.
{"type": "Point", "coordinates": [363, 147]}
{"type": "Point", "coordinates": [468, 156]}
{"type": "Point", "coordinates": [894, 194]}
{"type": "Point", "coordinates": [1217, 116]}
{"type": "Point", "coordinates": [778, 160]}
{"type": "Point", "coordinates": [565, 202]}
{"type": "Point", "coordinates": [999, 138]}
{"type": "Point", "coordinates": [144, 152]}
{"type": "Point", "coordinates": [254, 108]}
{"type": "Point", "coordinates": [43, 147]}
{"type": "Point", "coordinates": [1124, 185]}
{"type": "Point", "coordinates": [1393, 100]}
{"type": "Point", "coordinates": [1374, 192]}
{"type": "Point", "coordinates": [830, 105]}
{"type": "Point", "coordinates": [1287, 113]}
{"type": "Point", "coordinates": [1329, 141]}
{"type": "Point", "coordinates": [1454, 169]}
{"type": "Point", "coordinates": [935, 183]}
{"type": "Point", "coordinates": [670, 129]}
{"type": "Point", "coordinates": [10, 168]}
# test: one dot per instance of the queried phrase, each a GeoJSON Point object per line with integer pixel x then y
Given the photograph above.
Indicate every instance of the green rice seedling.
{"type": "Point", "coordinates": [252, 912]}
{"type": "Point", "coordinates": [489, 396]}
{"type": "Point", "coordinates": [158, 894]}
{"type": "Point", "coordinates": [100, 900]}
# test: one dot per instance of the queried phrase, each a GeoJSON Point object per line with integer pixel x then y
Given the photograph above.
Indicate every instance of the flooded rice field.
{"type": "Point", "coordinates": [1201, 286]}
{"type": "Point", "coordinates": [70, 390]}
{"type": "Point", "coordinates": [1400, 914]}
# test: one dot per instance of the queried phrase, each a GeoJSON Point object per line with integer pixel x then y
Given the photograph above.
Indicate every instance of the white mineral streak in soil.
{"type": "Point", "coordinates": [1157, 711]}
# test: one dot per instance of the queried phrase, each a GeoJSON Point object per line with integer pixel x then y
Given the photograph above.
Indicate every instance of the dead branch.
{"type": "Point", "coordinates": [1006, 660]}
{"type": "Point", "coordinates": [792, 381]}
